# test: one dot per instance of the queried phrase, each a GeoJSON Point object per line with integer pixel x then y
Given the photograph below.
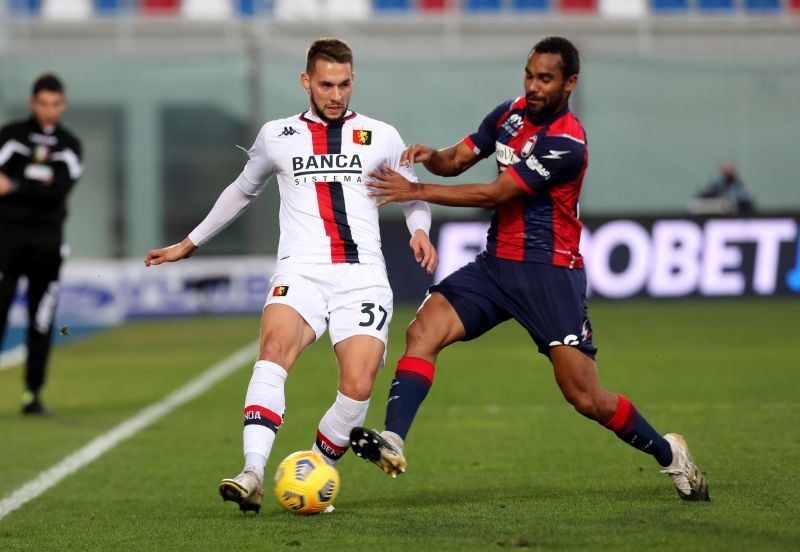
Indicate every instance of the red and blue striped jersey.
{"type": "Point", "coordinates": [548, 160]}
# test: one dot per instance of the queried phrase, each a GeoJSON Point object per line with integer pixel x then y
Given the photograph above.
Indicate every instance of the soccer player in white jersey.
{"type": "Point", "coordinates": [330, 271]}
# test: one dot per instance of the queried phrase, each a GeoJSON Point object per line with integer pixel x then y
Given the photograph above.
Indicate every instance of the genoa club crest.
{"type": "Point", "coordinates": [362, 137]}
{"type": "Point", "coordinates": [280, 291]}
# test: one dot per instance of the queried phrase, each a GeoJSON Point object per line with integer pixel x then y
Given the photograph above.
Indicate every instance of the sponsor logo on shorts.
{"type": "Point", "coordinates": [280, 291]}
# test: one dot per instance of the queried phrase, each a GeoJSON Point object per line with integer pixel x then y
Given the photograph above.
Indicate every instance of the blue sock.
{"type": "Point", "coordinates": [633, 428]}
{"type": "Point", "coordinates": [412, 380]}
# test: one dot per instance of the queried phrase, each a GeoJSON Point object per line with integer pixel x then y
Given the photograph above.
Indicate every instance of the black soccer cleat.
{"type": "Point", "coordinates": [385, 450]}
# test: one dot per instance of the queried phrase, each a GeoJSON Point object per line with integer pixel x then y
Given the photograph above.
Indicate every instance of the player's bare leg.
{"type": "Point", "coordinates": [284, 335]}
{"type": "Point", "coordinates": [436, 325]}
{"type": "Point", "coordinates": [576, 374]}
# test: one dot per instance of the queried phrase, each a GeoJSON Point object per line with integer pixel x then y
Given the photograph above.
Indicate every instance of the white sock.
{"type": "Point", "coordinates": [333, 434]}
{"type": "Point", "coordinates": [264, 406]}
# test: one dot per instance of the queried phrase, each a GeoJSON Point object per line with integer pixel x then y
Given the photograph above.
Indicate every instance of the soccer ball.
{"type": "Point", "coordinates": [305, 483]}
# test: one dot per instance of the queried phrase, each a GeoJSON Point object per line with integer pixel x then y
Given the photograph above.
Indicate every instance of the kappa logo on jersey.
{"type": "Point", "coordinates": [362, 137]}
{"type": "Point", "coordinates": [527, 148]}
{"type": "Point", "coordinates": [280, 291]}
{"type": "Point", "coordinates": [289, 131]}
{"type": "Point", "coordinates": [535, 165]}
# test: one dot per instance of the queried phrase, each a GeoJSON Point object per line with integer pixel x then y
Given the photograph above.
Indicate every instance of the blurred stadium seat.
{"type": "Point", "coordinates": [715, 6]}
{"type": "Point", "coordinates": [623, 8]}
{"type": "Point", "coordinates": [73, 10]}
{"type": "Point", "coordinates": [306, 10]}
{"type": "Point", "coordinates": [392, 5]}
{"type": "Point", "coordinates": [361, 9]}
{"type": "Point", "coordinates": [207, 9]}
{"type": "Point", "coordinates": [24, 7]}
{"type": "Point", "coordinates": [531, 5]}
{"type": "Point", "coordinates": [159, 7]}
{"type": "Point", "coordinates": [669, 6]}
{"type": "Point", "coordinates": [763, 5]}
{"type": "Point", "coordinates": [253, 8]}
{"type": "Point", "coordinates": [114, 7]}
{"type": "Point", "coordinates": [577, 6]}
{"type": "Point", "coordinates": [433, 5]}
{"type": "Point", "coordinates": [483, 5]}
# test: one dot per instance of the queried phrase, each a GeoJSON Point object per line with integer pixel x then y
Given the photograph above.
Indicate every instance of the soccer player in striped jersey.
{"type": "Point", "coordinates": [531, 271]}
{"type": "Point", "coordinates": [330, 272]}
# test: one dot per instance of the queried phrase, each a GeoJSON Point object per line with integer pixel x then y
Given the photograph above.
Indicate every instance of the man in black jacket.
{"type": "Point", "coordinates": [40, 161]}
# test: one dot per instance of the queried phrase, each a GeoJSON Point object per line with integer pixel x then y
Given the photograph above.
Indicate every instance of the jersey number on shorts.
{"type": "Point", "coordinates": [367, 308]}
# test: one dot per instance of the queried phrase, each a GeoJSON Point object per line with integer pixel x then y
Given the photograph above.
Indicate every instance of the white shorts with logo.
{"type": "Point", "coordinates": [348, 299]}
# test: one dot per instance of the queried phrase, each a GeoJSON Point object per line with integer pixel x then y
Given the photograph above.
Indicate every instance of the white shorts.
{"type": "Point", "coordinates": [348, 299]}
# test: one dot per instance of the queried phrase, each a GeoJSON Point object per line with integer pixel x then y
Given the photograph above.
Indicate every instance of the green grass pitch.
{"type": "Point", "coordinates": [497, 459]}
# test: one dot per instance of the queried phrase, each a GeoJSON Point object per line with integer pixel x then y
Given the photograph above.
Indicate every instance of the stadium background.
{"type": "Point", "coordinates": [161, 92]}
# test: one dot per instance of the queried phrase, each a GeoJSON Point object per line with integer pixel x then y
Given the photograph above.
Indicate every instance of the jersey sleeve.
{"type": "Point", "coordinates": [417, 213]}
{"type": "Point", "coordinates": [12, 152]}
{"type": "Point", "coordinates": [396, 148]}
{"type": "Point", "coordinates": [554, 160]}
{"type": "Point", "coordinates": [259, 167]}
{"type": "Point", "coordinates": [482, 141]}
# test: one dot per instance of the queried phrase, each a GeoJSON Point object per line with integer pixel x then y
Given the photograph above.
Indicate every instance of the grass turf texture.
{"type": "Point", "coordinates": [497, 460]}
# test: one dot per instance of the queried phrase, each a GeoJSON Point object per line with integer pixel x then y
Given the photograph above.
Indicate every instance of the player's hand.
{"type": "Point", "coordinates": [391, 186]}
{"type": "Point", "coordinates": [5, 185]}
{"type": "Point", "coordinates": [424, 251]}
{"type": "Point", "coordinates": [172, 253]}
{"type": "Point", "coordinates": [416, 153]}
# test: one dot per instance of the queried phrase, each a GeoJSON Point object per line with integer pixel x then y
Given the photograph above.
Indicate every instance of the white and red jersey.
{"type": "Point", "coordinates": [326, 214]}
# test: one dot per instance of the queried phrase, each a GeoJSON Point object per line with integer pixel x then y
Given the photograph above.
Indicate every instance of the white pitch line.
{"type": "Point", "coordinates": [126, 429]}
{"type": "Point", "coordinates": [12, 357]}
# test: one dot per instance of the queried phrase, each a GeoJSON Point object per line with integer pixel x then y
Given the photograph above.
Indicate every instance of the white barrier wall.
{"type": "Point", "coordinates": [107, 292]}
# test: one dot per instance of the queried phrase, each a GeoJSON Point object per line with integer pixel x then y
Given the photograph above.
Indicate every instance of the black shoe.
{"type": "Point", "coordinates": [35, 407]}
{"type": "Point", "coordinates": [385, 450]}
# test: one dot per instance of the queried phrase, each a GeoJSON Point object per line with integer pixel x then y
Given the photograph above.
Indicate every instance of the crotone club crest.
{"type": "Point", "coordinates": [527, 147]}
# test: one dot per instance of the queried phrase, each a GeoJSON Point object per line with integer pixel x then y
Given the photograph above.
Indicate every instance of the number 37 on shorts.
{"type": "Point", "coordinates": [346, 300]}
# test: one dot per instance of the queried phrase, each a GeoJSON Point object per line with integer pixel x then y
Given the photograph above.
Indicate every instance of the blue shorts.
{"type": "Point", "coordinates": [549, 301]}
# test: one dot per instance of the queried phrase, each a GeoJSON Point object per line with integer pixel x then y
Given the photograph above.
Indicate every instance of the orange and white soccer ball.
{"type": "Point", "coordinates": [305, 483]}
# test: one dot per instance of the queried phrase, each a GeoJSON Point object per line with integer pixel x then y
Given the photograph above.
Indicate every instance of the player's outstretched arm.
{"type": "Point", "coordinates": [450, 161]}
{"type": "Point", "coordinates": [424, 251]}
{"type": "Point", "coordinates": [390, 186]}
{"type": "Point", "coordinates": [172, 253]}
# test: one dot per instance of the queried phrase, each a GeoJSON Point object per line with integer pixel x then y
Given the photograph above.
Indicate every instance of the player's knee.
{"type": "Point", "coordinates": [584, 404]}
{"type": "Point", "coordinates": [278, 352]}
{"type": "Point", "coordinates": [423, 336]}
{"type": "Point", "coordinates": [357, 390]}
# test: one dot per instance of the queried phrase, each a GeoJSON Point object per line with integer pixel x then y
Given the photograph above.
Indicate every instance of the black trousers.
{"type": "Point", "coordinates": [40, 264]}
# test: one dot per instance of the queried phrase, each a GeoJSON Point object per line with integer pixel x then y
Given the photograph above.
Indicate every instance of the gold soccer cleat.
{"type": "Point", "coordinates": [687, 477]}
{"type": "Point", "coordinates": [246, 489]}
